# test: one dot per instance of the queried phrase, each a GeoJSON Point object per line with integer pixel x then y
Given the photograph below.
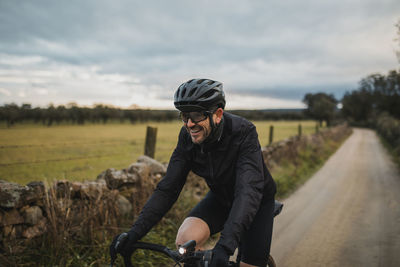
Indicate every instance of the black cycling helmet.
{"type": "Point", "coordinates": [199, 94]}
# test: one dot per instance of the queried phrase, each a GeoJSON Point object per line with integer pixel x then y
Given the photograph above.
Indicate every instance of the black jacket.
{"type": "Point", "coordinates": [233, 168]}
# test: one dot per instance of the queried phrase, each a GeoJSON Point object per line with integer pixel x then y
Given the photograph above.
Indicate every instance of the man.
{"type": "Point", "coordinates": [224, 150]}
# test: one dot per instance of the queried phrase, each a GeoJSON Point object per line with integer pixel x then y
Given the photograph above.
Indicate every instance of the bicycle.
{"type": "Point", "coordinates": [186, 254]}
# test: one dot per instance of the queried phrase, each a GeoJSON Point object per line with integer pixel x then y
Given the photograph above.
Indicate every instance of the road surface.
{"type": "Point", "coordinates": [347, 214]}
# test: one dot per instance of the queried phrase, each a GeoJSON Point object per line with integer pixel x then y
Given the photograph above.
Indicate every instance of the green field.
{"type": "Point", "coordinates": [37, 153]}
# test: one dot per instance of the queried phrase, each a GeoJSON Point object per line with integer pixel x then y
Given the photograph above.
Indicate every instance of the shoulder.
{"type": "Point", "coordinates": [243, 133]}
{"type": "Point", "coordinates": [237, 125]}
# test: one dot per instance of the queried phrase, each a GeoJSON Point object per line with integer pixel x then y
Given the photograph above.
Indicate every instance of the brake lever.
{"type": "Point", "coordinates": [207, 257]}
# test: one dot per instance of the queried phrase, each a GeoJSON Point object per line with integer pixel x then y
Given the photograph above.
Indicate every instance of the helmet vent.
{"type": "Point", "coordinates": [192, 91]}
{"type": "Point", "coordinates": [200, 81]}
{"type": "Point", "coordinates": [208, 94]}
{"type": "Point", "coordinates": [183, 92]}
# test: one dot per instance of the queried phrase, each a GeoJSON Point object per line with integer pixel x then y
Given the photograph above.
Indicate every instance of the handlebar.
{"type": "Point", "coordinates": [185, 256]}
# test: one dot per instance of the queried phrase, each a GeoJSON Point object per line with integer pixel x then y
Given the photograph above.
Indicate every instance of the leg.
{"type": "Point", "coordinates": [193, 228]}
{"type": "Point", "coordinates": [257, 240]}
{"type": "Point", "coordinates": [206, 218]}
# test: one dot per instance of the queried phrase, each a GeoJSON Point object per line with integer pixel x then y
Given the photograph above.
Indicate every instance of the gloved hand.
{"type": "Point", "coordinates": [123, 244]}
{"type": "Point", "coordinates": [220, 257]}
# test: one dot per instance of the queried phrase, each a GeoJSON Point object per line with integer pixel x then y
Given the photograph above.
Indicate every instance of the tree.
{"type": "Point", "coordinates": [321, 107]}
{"type": "Point", "coordinates": [11, 114]}
{"type": "Point", "coordinates": [376, 94]}
{"type": "Point", "coordinates": [358, 105]}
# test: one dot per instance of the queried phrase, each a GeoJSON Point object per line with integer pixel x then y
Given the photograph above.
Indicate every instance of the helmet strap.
{"type": "Point", "coordinates": [216, 130]}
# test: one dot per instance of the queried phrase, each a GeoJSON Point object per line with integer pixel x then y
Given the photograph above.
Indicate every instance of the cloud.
{"type": "Point", "coordinates": [5, 92]}
{"type": "Point", "coordinates": [240, 101]}
{"type": "Point", "coordinates": [135, 52]}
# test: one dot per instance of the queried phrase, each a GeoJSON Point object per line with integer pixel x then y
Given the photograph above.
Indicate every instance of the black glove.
{"type": "Point", "coordinates": [123, 244]}
{"type": "Point", "coordinates": [220, 257]}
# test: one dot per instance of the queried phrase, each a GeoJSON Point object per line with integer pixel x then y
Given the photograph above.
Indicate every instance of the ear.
{"type": "Point", "coordinates": [219, 112]}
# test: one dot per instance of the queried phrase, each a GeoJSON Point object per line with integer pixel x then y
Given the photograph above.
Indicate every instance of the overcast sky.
{"type": "Point", "coordinates": [268, 54]}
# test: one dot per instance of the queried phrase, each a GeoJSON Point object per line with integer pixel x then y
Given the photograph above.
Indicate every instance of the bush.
{"type": "Point", "coordinates": [389, 128]}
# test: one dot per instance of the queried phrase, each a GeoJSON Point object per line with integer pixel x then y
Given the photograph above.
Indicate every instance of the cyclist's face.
{"type": "Point", "coordinates": [199, 127]}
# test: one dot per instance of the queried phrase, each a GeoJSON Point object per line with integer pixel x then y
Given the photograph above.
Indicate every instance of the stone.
{"type": "Point", "coordinates": [13, 195]}
{"type": "Point", "coordinates": [11, 217]}
{"type": "Point", "coordinates": [155, 166]}
{"type": "Point", "coordinates": [62, 188]}
{"type": "Point", "coordinates": [101, 176]}
{"type": "Point", "coordinates": [124, 206]}
{"type": "Point", "coordinates": [37, 230]}
{"type": "Point", "coordinates": [12, 232]}
{"type": "Point", "coordinates": [92, 189]}
{"type": "Point", "coordinates": [139, 168]}
{"type": "Point", "coordinates": [127, 192]}
{"type": "Point", "coordinates": [38, 188]}
{"type": "Point", "coordinates": [75, 189]}
{"type": "Point", "coordinates": [64, 203]}
{"type": "Point", "coordinates": [7, 230]}
{"type": "Point", "coordinates": [32, 215]}
{"type": "Point", "coordinates": [115, 179]}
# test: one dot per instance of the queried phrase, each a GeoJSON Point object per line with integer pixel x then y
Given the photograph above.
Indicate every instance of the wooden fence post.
{"type": "Point", "coordinates": [300, 130]}
{"type": "Point", "coordinates": [271, 134]}
{"type": "Point", "coordinates": [150, 144]}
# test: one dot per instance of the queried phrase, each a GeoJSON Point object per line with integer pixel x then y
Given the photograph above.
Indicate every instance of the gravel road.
{"type": "Point", "coordinates": [347, 214]}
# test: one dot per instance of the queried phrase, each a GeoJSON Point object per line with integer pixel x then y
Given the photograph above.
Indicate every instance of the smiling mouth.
{"type": "Point", "coordinates": [195, 130]}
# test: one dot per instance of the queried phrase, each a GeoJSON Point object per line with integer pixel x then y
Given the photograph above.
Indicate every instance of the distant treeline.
{"type": "Point", "coordinates": [73, 114]}
{"type": "Point", "coordinates": [12, 113]}
{"type": "Point", "coordinates": [376, 104]}
{"type": "Point", "coordinates": [376, 94]}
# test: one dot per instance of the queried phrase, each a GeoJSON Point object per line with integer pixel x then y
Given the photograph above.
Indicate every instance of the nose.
{"type": "Point", "coordinates": [190, 123]}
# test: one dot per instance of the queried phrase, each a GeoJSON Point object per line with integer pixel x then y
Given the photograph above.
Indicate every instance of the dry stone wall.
{"type": "Point", "coordinates": [29, 211]}
{"type": "Point", "coordinates": [289, 149]}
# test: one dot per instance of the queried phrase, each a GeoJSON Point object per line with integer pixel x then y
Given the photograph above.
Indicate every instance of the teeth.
{"type": "Point", "coordinates": [195, 131]}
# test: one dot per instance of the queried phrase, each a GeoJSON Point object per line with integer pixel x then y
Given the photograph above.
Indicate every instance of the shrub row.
{"type": "Point", "coordinates": [389, 128]}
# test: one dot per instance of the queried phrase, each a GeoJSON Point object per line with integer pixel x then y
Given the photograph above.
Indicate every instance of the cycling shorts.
{"type": "Point", "coordinates": [256, 241]}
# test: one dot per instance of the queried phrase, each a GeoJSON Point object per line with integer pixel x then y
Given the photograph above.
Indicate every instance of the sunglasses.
{"type": "Point", "coordinates": [195, 116]}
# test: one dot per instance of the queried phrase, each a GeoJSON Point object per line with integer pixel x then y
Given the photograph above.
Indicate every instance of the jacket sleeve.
{"type": "Point", "coordinates": [248, 190]}
{"type": "Point", "coordinates": [167, 190]}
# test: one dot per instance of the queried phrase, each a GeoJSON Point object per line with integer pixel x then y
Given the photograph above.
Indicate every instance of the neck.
{"type": "Point", "coordinates": [215, 135]}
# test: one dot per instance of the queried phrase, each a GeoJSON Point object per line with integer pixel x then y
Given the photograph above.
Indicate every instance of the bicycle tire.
{"type": "Point", "coordinates": [271, 262]}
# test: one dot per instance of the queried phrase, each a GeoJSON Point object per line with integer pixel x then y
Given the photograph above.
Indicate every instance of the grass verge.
{"type": "Point", "coordinates": [394, 152]}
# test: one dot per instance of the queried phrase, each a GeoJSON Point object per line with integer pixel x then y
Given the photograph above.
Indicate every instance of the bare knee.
{"type": "Point", "coordinates": [193, 228]}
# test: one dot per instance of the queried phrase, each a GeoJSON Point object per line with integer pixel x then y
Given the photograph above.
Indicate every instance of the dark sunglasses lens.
{"type": "Point", "coordinates": [184, 116]}
{"type": "Point", "coordinates": [193, 116]}
{"type": "Point", "coordinates": [197, 116]}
